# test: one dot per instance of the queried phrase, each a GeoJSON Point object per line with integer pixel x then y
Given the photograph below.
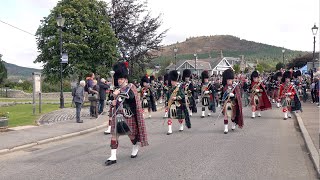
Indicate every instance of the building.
{"type": "Point", "coordinates": [214, 66]}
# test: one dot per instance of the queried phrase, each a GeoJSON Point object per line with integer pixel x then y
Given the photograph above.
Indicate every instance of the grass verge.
{"type": "Point", "coordinates": [21, 114]}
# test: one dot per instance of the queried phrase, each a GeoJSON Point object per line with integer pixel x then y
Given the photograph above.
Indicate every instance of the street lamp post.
{"type": "Point", "coordinates": [175, 57]}
{"type": "Point", "coordinates": [283, 56]}
{"type": "Point", "coordinates": [195, 64]}
{"type": "Point", "coordinates": [314, 32]}
{"type": "Point", "coordinates": [60, 23]}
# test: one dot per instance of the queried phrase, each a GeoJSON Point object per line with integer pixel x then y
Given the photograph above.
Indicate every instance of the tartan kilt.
{"type": "Point", "coordinates": [253, 103]}
{"type": "Point", "coordinates": [131, 121]}
{"type": "Point", "coordinates": [180, 113]}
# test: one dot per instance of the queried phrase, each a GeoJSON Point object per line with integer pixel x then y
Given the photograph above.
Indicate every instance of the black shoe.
{"type": "Point", "coordinates": [110, 162]}
{"type": "Point", "coordinates": [80, 121]}
{"type": "Point", "coordinates": [169, 133]}
{"type": "Point", "coordinates": [202, 116]}
{"type": "Point", "coordinates": [106, 133]}
{"type": "Point", "coordinates": [225, 132]}
{"type": "Point", "coordinates": [134, 156]}
{"type": "Point", "coordinates": [285, 118]}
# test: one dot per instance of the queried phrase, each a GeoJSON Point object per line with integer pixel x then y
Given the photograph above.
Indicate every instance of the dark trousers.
{"type": "Point", "coordinates": [78, 111]}
{"type": "Point", "coordinates": [94, 108]}
{"type": "Point", "coordinates": [313, 96]}
{"type": "Point", "coordinates": [101, 105]}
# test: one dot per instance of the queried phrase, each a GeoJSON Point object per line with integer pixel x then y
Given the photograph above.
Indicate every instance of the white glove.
{"type": "Point", "coordinates": [231, 95]}
{"type": "Point", "coordinates": [288, 94]}
{"type": "Point", "coordinates": [206, 92]}
{"type": "Point", "coordinates": [145, 94]}
{"type": "Point", "coordinates": [257, 90]}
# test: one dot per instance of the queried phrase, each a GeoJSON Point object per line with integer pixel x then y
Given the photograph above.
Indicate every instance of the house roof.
{"type": "Point", "coordinates": [201, 64]}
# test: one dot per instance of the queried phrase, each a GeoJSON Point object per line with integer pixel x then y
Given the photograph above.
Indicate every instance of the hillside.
{"type": "Point", "coordinates": [17, 72]}
{"type": "Point", "coordinates": [231, 46]}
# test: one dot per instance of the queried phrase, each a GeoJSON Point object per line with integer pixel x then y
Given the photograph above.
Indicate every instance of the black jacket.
{"type": "Point", "coordinates": [102, 90]}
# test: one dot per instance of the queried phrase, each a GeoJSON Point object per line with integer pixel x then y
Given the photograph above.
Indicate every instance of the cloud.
{"type": "Point", "coordinates": [284, 23]}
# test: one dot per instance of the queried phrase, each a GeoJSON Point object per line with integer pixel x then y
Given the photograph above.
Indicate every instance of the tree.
{"type": "Point", "coordinates": [301, 61]}
{"type": "Point", "coordinates": [87, 38]}
{"type": "Point", "coordinates": [259, 68]}
{"type": "Point", "coordinates": [236, 68]}
{"type": "Point", "coordinates": [136, 31]}
{"type": "Point", "coordinates": [279, 66]}
{"type": "Point", "coordinates": [3, 71]}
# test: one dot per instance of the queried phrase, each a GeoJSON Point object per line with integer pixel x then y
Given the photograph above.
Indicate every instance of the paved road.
{"type": "Point", "coordinates": [267, 148]}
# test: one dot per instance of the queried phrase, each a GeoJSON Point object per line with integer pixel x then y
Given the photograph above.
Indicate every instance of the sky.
{"type": "Point", "coordinates": [283, 23]}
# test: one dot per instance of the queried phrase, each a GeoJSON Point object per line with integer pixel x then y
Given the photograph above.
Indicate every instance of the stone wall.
{"type": "Point", "coordinates": [11, 93]}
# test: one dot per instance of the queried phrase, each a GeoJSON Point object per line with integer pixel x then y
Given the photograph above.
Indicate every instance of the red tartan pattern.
{"type": "Point", "coordinates": [264, 102]}
{"type": "Point", "coordinates": [131, 121]}
{"type": "Point", "coordinates": [136, 123]}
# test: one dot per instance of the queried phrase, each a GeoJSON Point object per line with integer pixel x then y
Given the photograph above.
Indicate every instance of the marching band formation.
{"type": "Point", "coordinates": [181, 93]}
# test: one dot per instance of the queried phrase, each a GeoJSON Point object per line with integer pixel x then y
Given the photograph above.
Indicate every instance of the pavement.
{"type": "Point", "coordinates": [308, 122]}
{"type": "Point", "coordinates": [53, 126]}
{"type": "Point", "coordinates": [266, 148]}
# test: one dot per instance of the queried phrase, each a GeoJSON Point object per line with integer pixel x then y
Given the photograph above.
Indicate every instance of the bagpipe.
{"type": "Point", "coordinates": [205, 94]}
{"type": "Point", "coordinates": [226, 99]}
{"type": "Point", "coordinates": [173, 104]}
{"type": "Point", "coordinates": [121, 125]}
{"type": "Point", "coordinates": [256, 93]}
{"type": "Point", "coordinates": [285, 95]}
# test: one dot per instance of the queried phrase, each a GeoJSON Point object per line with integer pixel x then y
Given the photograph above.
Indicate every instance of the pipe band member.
{"type": "Point", "coordinates": [207, 95]}
{"type": "Point", "coordinates": [258, 96]}
{"type": "Point", "coordinates": [231, 100]}
{"type": "Point", "coordinates": [189, 91]}
{"type": "Point", "coordinates": [288, 96]}
{"type": "Point", "coordinates": [176, 106]}
{"type": "Point", "coordinates": [147, 96]}
{"type": "Point", "coordinates": [126, 109]}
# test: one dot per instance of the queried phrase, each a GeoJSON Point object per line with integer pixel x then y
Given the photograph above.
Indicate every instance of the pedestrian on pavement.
{"type": "Point", "coordinates": [231, 100]}
{"type": "Point", "coordinates": [94, 98]}
{"type": "Point", "coordinates": [103, 87]}
{"type": "Point", "coordinates": [78, 99]}
{"type": "Point", "coordinates": [127, 114]}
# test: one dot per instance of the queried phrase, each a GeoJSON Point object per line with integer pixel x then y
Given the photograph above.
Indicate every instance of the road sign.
{"type": "Point", "coordinates": [64, 58]}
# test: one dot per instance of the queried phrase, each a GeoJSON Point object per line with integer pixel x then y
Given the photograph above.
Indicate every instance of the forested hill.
{"type": "Point", "coordinates": [231, 46]}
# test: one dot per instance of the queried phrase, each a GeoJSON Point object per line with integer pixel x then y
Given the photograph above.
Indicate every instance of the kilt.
{"type": "Point", "coordinates": [261, 103]}
{"type": "Point", "coordinates": [180, 113]}
{"type": "Point", "coordinates": [234, 109]}
{"type": "Point", "coordinates": [205, 101]}
{"type": "Point", "coordinates": [131, 121]}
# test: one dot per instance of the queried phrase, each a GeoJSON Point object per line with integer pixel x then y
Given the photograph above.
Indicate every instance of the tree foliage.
{"type": "Point", "coordinates": [236, 68]}
{"type": "Point", "coordinates": [279, 66]}
{"type": "Point", "coordinates": [3, 71]}
{"type": "Point", "coordinates": [87, 38]}
{"type": "Point", "coordinates": [136, 31]}
{"type": "Point", "coordinates": [301, 61]}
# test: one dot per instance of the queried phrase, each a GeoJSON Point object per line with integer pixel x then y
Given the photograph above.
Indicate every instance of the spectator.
{"type": "Point", "coordinates": [93, 98]}
{"type": "Point", "coordinates": [89, 82]}
{"type": "Point", "coordinates": [312, 89]}
{"type": "Point", "coordinates": [103, 87]}
{"type": "Point", "coordinates": [78, 98]}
